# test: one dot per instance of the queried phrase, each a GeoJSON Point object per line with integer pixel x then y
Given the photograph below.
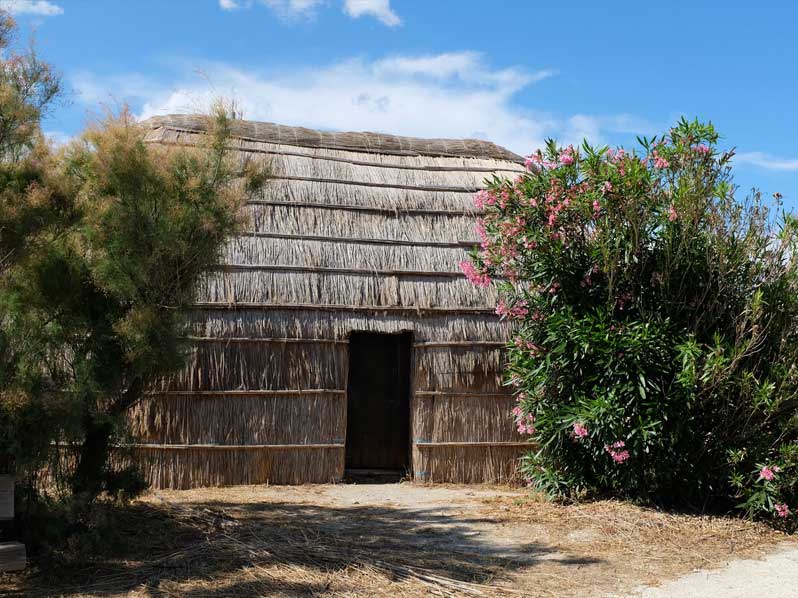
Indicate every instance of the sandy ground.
{"type": "Point", "coordinates": [411, 540]}
{"type": "Point", "coordinates": [775, 576]}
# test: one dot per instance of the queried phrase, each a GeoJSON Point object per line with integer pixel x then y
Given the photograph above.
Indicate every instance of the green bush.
{"type": "Point", "coordinates": [655, 346]}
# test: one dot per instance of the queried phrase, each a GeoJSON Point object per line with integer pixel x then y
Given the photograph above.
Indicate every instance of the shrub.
{"type": "Point", "coordinates": [102, 245]}
{"type": "Point", "coordinates": [655, 340]}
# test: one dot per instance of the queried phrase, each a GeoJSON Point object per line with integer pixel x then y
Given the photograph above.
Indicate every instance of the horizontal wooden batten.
{"type": "Point", "coordinates": [455, 393]}
{"type": "Point", "coordinates": [233, 447]}
{"type": "Point", "coordinates": [442, 188]}
{"type": "Point", "coordinates": [244, 393]}
{"type": "Point", "coordinates": [256, 150]}
{"type": "Point", "coordinates": [256, 339]}
{"type": "Point", "coordinates": [462, 344]}
{"type": "Point", "coordinates": [361, 241]}
{"type": "Point", "coordinates": [473, 444]}
{"type": "Point", "coordinates": [352, 308]}
{"type": "Point", "coordinates": [327, 270]}
{"type": "Point", "coordinates": [397, 210]}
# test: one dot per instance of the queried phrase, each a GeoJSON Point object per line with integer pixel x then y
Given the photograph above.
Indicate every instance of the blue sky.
{"type": "Point", "coordinates": [512, 72]}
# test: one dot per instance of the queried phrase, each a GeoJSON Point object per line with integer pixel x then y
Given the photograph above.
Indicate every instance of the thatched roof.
{"type": "Point", "coordinates": [352, 219]}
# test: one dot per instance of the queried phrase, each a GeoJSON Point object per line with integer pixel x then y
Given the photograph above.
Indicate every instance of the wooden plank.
{"type": "Point", "coordinates": [12, 557]}
{"type": "Point", "coordinates": [6, 497]}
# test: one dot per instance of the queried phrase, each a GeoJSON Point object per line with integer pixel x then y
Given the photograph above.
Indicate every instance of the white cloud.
{"type": "Point", "coordinates": [767, 161]}
{"type": "Point", "coordinates": [379, 9]}
{"type": "Point", "coordinates": [454, 94]}
{"type": "Point", "coordinates": [293, 9]}
{"type": "Point", "coordinates": [41, 8]}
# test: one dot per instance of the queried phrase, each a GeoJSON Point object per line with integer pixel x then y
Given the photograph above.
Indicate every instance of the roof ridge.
{"type": "Point", "coordinates": [366, 142]}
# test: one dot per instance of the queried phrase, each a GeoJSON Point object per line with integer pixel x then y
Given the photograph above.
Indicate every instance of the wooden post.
{"type": "Point", "coordinates": [12, 554]}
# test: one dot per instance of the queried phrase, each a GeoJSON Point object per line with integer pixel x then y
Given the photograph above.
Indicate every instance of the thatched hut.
{"type": "Point", "coordinates": [338, 332]}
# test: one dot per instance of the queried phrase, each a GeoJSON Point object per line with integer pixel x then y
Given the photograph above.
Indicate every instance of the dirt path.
{"type": "Point", "coordinates": [775, 576]}
{"type": "Point", "coordinates": [392, 540]}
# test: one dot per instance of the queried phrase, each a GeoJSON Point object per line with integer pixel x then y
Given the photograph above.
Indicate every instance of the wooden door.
{"type": "Point", "coordinates": [378, 409]}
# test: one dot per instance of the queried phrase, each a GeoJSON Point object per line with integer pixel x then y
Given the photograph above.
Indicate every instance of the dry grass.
{"type": "Point", "coordinates": [630, 545]}
{"type": "Point", "coordinates": [391, 540]}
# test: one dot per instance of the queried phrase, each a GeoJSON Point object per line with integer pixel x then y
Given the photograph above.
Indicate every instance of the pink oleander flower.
{"type": "Point", "coordinates": [517, 311]}
{"type": "Point", "coordinates": [483, 198]}
{"type": "Point", "coordinates": [525, 423]}
{"type": "Point", "coordinates": [617, 452]}
{"type": "Point", "coordinates": [701, 149]}
{"type": "Point", "coordinates": [477, 278]}
{"type": "Point", "coordinates": [580, 430]}
{"type": "Point", "coordinates": [606, 187]}
{"type": "Point", "coordinates": [767, 473]}
{"type": "Point", "coordinates": [596, 206]}
{"type": "Point", "coordinates": [672, 213]}
{"type": "Point", "coordinates": [536, 158]}
{"type": "Point", "coordinates": [782, 510]}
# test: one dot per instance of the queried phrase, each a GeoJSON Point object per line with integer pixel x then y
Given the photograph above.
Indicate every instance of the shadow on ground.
{"type": "Point", "coordinates": [212, 549]}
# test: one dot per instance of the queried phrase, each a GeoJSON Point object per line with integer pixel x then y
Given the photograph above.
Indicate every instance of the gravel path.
{"type": "Point", "coordinates": [775, 576]}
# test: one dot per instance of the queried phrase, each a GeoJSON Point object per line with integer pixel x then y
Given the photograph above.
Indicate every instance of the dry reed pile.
{"type": "Point", "coordinates": [411, 541]}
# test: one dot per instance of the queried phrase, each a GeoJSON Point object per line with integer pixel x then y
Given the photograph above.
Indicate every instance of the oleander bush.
{"type": "Point", "coordinates": [655, 324]}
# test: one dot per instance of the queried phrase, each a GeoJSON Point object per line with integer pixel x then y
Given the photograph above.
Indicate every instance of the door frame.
{"type": "Point", "coordinates": [409, 333]}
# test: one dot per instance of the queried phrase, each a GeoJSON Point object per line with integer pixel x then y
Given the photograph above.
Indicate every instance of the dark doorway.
{"type": "Point", "coordinates": [378, 409]}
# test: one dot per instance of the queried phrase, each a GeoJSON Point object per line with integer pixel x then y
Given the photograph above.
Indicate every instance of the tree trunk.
{"type": "Point", "coordinates": [87, 479]}
{"type": "Point", "coordinates": [94, 454]}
